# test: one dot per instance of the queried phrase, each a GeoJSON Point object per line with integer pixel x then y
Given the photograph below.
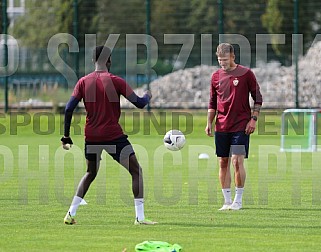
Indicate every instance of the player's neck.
{"type": "Point", "coordinates": [101, 67]}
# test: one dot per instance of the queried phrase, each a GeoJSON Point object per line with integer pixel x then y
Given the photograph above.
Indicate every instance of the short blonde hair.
{"type": "Point", "coordinates": [224, 48]}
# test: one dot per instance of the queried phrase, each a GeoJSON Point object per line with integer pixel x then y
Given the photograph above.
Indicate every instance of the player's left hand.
{"type": "Point", "coordinates": [66, 142]}
{"type": "Point", "coordinates": [208, 130]}
{"type": "Point", "coordinates": [250, 127]}
{"type": "Point", "coordinates": [149, 93]}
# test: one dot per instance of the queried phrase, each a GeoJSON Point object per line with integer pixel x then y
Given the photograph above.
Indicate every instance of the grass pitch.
{"type": "Point", "coordinates": [38, 179]}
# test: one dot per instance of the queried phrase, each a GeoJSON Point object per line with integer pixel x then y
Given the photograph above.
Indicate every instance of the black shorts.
{"type": "Point", "coordinates": [232, 143]}
{"type": "Point", "coordinates": [119, 149]}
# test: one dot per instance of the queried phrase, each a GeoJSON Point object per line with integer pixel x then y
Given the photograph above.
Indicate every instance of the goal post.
{"type": "Point", "coordinates": [299, 132]}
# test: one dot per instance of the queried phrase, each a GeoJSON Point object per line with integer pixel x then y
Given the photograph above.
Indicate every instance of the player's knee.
{"type": "Point", "coordinates": [91, 175]}
{"type": "Point", "coordinates": [237, 161]}
{"type": "Point", "coordinates": [223, 163]}
{"type": "Point", "coordinates": [135, 170]}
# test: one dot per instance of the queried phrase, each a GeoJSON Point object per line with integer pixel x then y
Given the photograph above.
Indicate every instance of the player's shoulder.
{"type": "Point", "coordinates": [242, 67]}
{"type": "Point", "coordinates": [114, 76]}
{"type": "Point", "coordinates": [216, 74]}
{"type": "Point", "coordinates": [87, 76]}
{"type": "Point", "coordinates": [243, 71]}
{"type": "Point", "coordinates": [117, 79]}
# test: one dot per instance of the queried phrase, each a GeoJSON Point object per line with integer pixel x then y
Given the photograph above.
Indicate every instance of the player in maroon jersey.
{"type": "Point", "coordinates": [100, 92]}
{"type": "Point", "coordinates": [231, 86]}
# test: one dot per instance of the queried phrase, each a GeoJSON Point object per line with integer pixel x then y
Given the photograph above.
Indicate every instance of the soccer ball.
{"type": "Point", "coordinates": [174, 140]}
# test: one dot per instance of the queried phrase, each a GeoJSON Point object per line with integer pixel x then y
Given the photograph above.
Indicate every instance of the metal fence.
{"type": "Point", "coordinates": [167, 35]}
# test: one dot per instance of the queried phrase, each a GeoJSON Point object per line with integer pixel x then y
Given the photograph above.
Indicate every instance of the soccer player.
{"type": "Point", "coordinates": [100, 92]}
{"type": "Point", "coordinates": [231, 86]}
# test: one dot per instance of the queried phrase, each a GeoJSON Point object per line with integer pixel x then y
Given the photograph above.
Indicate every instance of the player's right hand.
{"type": "Point", "coordinates": [208, 130]}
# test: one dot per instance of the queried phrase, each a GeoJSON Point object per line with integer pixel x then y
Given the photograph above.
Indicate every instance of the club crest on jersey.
{"type": "Point", "coordinates": [235, 82]}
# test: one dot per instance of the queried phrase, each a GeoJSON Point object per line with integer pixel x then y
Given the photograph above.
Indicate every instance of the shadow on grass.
{"type": "Point", "coordinates": [316, 209]}
{"type": "Point", "coordinates": [239, 226]}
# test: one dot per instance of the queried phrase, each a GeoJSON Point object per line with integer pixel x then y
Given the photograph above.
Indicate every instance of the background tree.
{"type": "Point", "coordinates": [43, 19]}
{"type": "Point", "coordinates": [0, 17]}
{"type": "Point", "coordinates": [87, 19]}
{"type": "Point", "coordinates": [203, 17]}
{"type": "Point", "coordinates": [311, 18]}
{"type": "Point", "coordinates": [120, 17]}
{"type": "Point", "coordinates": [278, 19]}
{"type": "Point", "coordinates": [168, 17]}
{"type": "Point", "coordinates": [244, 18]}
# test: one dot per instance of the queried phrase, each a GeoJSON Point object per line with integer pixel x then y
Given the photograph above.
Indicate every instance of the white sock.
{"type": "Point", "coordinates": [238, 194]}
{"type": "Point", "coordinates": [74, 205]}
{"type": "Point", "coordinates": [227, 195]}
{"type": "Point", "coordinates": [139, 209]}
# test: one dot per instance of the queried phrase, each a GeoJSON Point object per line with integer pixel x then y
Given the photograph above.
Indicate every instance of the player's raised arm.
{"type": "Point", "coordinates": [140, 102]}
{"type": "Point", "coordinates": [124, 89]}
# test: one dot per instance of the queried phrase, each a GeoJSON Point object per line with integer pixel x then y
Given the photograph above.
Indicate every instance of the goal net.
{"type": "Point", "coordinates": [299, 130]}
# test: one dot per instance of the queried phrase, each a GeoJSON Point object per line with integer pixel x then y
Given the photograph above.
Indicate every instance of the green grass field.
{"type": "Point", "coordinates": [37, 181]}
